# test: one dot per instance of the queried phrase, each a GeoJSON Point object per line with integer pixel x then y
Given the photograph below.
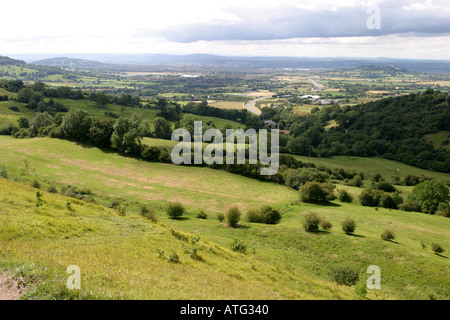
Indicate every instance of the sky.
{"type": "Point", "coordinates": [302, 28]}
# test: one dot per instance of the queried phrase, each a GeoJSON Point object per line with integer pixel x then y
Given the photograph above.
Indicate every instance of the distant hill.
{"type": "Point", "coordinates": [4, 61]}
{"type": "Point", "coordinates": [99, 60]}
{"type": "Point", "coordinates": [65, 62]}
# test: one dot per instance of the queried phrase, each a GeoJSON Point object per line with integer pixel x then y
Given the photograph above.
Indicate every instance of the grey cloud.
{"type": "Point", "coordinates": [291, 22]}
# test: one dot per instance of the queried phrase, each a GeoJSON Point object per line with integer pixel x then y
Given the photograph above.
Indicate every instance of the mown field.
{"type": "Point", "coordinates": [117, 255]}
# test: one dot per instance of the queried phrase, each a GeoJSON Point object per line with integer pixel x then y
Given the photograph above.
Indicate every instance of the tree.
{"type": "Point", "coordinates": [100, 132]}
{"type": "Point", "coordinates": [126, 137]}
{"type": "Point", "coordinates": [429, 194]}
{"type": "Point", "coordinates": [315, 192]}
{"type": "Point", "coordinates": [175, 210]}
{"type": "Point", "coordinates": [349, 226]}
{"type": "Point", "coordinates": [75, 125]}
{"type": "Point", "coordinates": [233, 216]}
{"type": "Point", "coordinates": [162, 128]}
{"type": "Point", "coordinates": [102, 99]}
{"type": "Point", "coordinates": [40, 120]}
{"type": "Point", "coordinates": [24, 95]}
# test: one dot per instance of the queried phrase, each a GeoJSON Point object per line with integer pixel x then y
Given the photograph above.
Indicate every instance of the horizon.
{"type": "Point", "coordinates": [302, 28]}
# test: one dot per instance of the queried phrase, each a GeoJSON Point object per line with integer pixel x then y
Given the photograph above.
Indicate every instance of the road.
{"type": "Point", "coordinates": [250, 106]}
{"type": "Point", "coordinates": [318, 86]}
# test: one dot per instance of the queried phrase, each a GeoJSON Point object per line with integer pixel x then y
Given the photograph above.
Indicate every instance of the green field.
{"type": "Point", "coordinates": [371, 166]}
{"type": "Point", "coordinates": [115, 253]}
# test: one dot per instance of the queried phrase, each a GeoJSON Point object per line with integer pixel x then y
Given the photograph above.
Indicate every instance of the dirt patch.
{"type": "Point", "coordinates": [10, 289]}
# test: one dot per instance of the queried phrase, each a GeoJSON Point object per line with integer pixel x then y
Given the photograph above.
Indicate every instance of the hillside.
{"type": "Point", "coordinates": [116, 252]}
{"type": "Point", "coordinates": [64, 62]}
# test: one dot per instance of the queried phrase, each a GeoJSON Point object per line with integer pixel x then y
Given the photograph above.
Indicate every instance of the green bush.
{"type": "Point", "coordinates": [52, 189]}
{"type": "Point", "coordinates": [344, 196]}
{"type": "Point", "coordinates": [175, 210]}
{"type": "Point", "coordinates": [410, 206]}
{"type": "Point", "coordinates": [385, 186]}
{"type": "Point", "coordinates": [122, 210]}
{"type": "Point", "coordinates": [36, 184]}
{"type": "Point", "coordinates": [311, 222]}
{"type": "Point", "coordinates": [325, 225]}
{"type": "Point", "coordinates": [356, 181]}
{"type": "Point", "coordinates": [270, 215]}
{"type": "Point", "coordinates": [344, 275]}
{"type": "Point", "coordinates": [3, 172]}
{"type": "Point", "coordinates": [148, 213]}
{"type": "Point", "coordinates": [370, 197]}
{"type": "Point", "coordinates": [173, 257]}
{"type": "Point", "coordinates": [314, 192]}
{"type": "Point", "coordinates": [201, 215]}
{"type": "Point", "coordinates": [388, 235]}
{"type": "Point", "coordinates": [220, 217]}
{"type": "Point", "coordinates": [387, 201]}
{"type": "Point", "coordinates": [233, 216]}
{"type": "Point", "coordinates": [254, 216]}
{"type": "Point", "coordinates": [349, 226]}
{"type": "Point", "coordinates": [239, 246]}
{"type": "Point", "coordinates": [437, 248]}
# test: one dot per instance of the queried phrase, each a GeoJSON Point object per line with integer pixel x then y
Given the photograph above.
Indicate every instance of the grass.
{"type": "Point", "coordinates": [439, 139]}
{"type": "Point", "coordinates": [373, 165]}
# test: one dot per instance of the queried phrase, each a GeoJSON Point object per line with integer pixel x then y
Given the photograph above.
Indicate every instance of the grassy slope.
{"type": "Point", "coordinates": [371, 166]}
{"type": "Point", "coordinates": [290, 263]}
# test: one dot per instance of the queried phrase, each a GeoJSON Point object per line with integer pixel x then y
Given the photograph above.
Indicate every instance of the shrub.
{"type": "Point", "coordinates": [349, 226]}
{"type": "Point", "coordinates": [173, 257]}
{"type": "Point", "coordinates": [344, 275]}
{"type": "Point", "coordinates": [239, 246]}
{"type": "Point", "coordinates": [356, 182]}
{"type": "Point", "coordinates": [314, 192]}
{"type": "Point", "coordinates": [36, 184]}
{"type": "Point", "coordinates": [344, 196]}
{"type": "Point", "coordinates": [270, 215]}
{"type": "Point", "coordinates": [325, 225]}
{"type": "Point", "coordinates": [388, 235]}
{"type": "Point", "coordinates": [220, 217]}
{"type": "Point", "coordinates": [148, 213]}
{"type": "Point", "coordinates": [430, 194]}
{"type": "Point", "coordinates": [254, 216]}
{"type": "Point", "coordinates": [444, 211]}
{"type": "Point", "coordinates": [3, 172]}
{"type": "Point", "coordinates": [410, 206]}
{"type": "Point", "coordinates": [437, 248]}
{"type": "Point", "coordinates": [122, 210]}
{"type": "Point", "coordinates": [201, 215]}
{"type": "Point", "coordinates": [387, 201]}
{"type": "Point", "coordinates": [385, 186]}
{"type": "Point", "coordinates": [311, 222]}
{"type": "Point", "coordinates": [175, 210]}
{"type": "Point", "coordinates": [52, 189]}
{"type": "Point", "coordinates": [233, 216]}
{"type": "Point", "coordinates": [370, 197]}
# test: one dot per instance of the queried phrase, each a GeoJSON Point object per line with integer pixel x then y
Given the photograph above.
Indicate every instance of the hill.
{"type": "Point", "coordinates": [64, 62]}
{"type": "Point", "coordinates": [116, 252]}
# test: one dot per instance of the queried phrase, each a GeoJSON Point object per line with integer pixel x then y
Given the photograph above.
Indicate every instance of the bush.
{"type": "Point", "coordinates": [444, 211]}
{"type": "Point", "coordinates": [386, 187]}
{"type": "Point", "coordinates": [254, 216]}
{"type": "Point", "coordinates": [370, 197]}
{"type": "Point", "coordinates": [311, 222]}
{"type": "Point", "coordinates": [356, 182]}
{"type": "Point", "coordinates": [437, 248]}
{"type": "Point", "coordinates": [314, 192]}
{"type": "Point", "coordinates": [148, 213]}
{"type": "Point", "coordinates": [387, 201]}
{"type": "Point", "coordinates": [239, 246]}
{"type": "Point", "coordinates": [410, 206]}
{"type": "Point", "coordinates": [201, 215]}
{"type": "Point", "coordinates": [388, 235]}
{"type": "Point", "coordinates": [36, 184]}
{"type": "Point", "coordinates": [349, 226]}
{"type": "Point", "coordinates": [52, 189]}
{"type": "Point", "coordinates": [220, 217]}
{"type": "Point", "coordinates": [175, 210]}
{"type": "Point", "coordinates": [3, 172]}
{"type": "Point", "coordinates": [326, 225]}
{"type": "Point", "coordinates": [344, 196]}
{"type": "Point", "coordinates": [270, 215]}
{"type": "Point", "coordinates": [344, 275]}
{"type": "Point", "coordinates": [173, 257]}
{"type": "Point", "coordinates": [122, 210]}
{"type": "Point", "coordinates": [233, 216]}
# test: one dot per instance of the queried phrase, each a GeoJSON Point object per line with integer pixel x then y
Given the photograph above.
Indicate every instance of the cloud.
{"type": "Point", "coordinates": [294, 21]}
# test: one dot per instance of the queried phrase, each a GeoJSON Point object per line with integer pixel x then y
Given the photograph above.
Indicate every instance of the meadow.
{"type": "Point", "coordinates": [121, 256]}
